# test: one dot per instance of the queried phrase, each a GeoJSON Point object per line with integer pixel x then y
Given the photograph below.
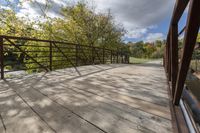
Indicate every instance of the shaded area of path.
{"type": "Point", "coordinates": [116, 98]}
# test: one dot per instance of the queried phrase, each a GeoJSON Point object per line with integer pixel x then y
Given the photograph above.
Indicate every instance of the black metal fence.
{"type": "Point", "coordinates": [35, 55]}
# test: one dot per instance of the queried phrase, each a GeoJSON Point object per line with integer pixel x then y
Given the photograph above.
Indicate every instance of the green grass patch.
{"type": "Point", "coordinates": [195, 65]}
{"type": "Point", "coordinates": [134, 60]}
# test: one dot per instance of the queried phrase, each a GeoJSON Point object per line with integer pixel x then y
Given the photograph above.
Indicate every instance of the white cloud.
{"type": "Point", "coordinates": [4, 7]}
{"type": "Point", "coordinates": [151, 37]}
{"type": "Point", "coordinates": [136, 33]}
{"type": "Point", "coordinates": [37, 9]}
{"type": "Point", "coordinates": [138, 16]}
{"type": "Point", "coordinates": [27, 11]}
{"type": "Point", "coordinates": [138, 13]}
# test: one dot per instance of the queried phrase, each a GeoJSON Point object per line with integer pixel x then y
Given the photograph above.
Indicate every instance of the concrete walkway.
{"type": "Point", "coordinates": [115, 98]}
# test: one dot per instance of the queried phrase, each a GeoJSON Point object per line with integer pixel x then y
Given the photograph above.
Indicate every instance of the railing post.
{"type": "Point", "coordinates": [103, 55]}
{"type": "Point", "coordinates": [50, 56]}
{"type": "Point", "coordinates": [122, 61]}
{"type": "Point", "coordinates": [128, 59]}
{"type": "Point", "coordinates": [117, 56]}
{"type": "Point", "coordinates": [76, 54]}
{"type": "Point", "coordinates": [111, 56]}
{"type": "Point", "coordinates": [1, 58]}
{"type": "Point", "coordinates": [93, 50]}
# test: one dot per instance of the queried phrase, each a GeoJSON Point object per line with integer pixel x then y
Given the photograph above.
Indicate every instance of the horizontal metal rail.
{"type": "Point", "coordinates": [23, 53]}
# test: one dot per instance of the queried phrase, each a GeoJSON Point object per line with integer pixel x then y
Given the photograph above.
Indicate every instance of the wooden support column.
{"type": "Point", "coordinates": [192, 27]}
{"type": "Point", "coordinates": [174, 55]}
{"type": "Point", "coordinates": [1, 58]}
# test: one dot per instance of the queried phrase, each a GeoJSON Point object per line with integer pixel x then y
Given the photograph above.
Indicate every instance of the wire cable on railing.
{"type": "Point", "coordinates": [182, 31]}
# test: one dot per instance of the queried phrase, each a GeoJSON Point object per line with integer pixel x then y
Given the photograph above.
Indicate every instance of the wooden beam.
{"type": "Point", "coordinates": [192, 27]}
{"type": "Point", "coordinates": [174, 55]}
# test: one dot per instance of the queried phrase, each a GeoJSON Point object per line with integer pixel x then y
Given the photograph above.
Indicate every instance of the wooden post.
{"type": "Point", "coordinates": [174, 55]}
{"type": "Point", "coordinates": [50, 56]}
{"type": "Point", "coordinates": [192, 27]}
{"type": "Point", "coordinates": [1, 58]}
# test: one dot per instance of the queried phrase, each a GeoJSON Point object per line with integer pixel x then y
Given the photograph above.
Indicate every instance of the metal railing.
{"type": "Point", "coordinates": [176, 68]}
{"type": "Point", "coordinates": [37, 55]}
{"type": "Point", "coordinates": [176, 71]}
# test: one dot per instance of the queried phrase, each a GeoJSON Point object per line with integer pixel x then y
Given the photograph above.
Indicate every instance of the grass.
{"type": "Point", "coordinates": [195, 65]}
{"type": "Point", "coordinates": [134, 60]}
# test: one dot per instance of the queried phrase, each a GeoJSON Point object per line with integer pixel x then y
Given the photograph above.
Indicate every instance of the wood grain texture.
{"type": "Point", "coordinates": [115, 98]}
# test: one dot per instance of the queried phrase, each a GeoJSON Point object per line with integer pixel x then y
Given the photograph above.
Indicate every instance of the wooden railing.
{"type": "Point", "coordinates": [38, 55]}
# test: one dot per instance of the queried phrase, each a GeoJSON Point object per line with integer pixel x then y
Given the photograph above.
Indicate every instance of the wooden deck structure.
{"type": "Point", "coordinates": [115, 98]}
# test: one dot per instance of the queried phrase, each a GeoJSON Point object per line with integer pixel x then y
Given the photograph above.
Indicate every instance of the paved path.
{"type": "Point", "coordinates": [115, 98]}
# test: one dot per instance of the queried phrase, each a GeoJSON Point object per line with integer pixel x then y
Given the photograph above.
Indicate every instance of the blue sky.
{"type": "Point", "coordinates": [146, 20]}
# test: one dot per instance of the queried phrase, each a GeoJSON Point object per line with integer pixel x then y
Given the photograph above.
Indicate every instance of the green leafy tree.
{"type": "Point", "coordinates": [79, 24]}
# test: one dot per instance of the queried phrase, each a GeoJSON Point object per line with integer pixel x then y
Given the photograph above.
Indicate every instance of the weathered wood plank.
{"type": "Point", "coordinates": [70, 97]}
{"type": "Point", "coordinates": [108, 124]}
{"type": "Point", "coordinates": [17, 116]}
{"type": "Point", "coordinates": [102, 105]}
{"type": "Point", "coordinates": [55, 116]}
{"type": "Point", "coordinates": [101, 98]}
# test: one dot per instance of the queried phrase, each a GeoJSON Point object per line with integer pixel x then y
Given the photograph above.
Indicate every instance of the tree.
{"type": "Point", "coordinates": [84, 26]}
{"type": "Point", "coordinates": [79, 24]}
{"type": "Point", "coordinates": [147, 50]}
